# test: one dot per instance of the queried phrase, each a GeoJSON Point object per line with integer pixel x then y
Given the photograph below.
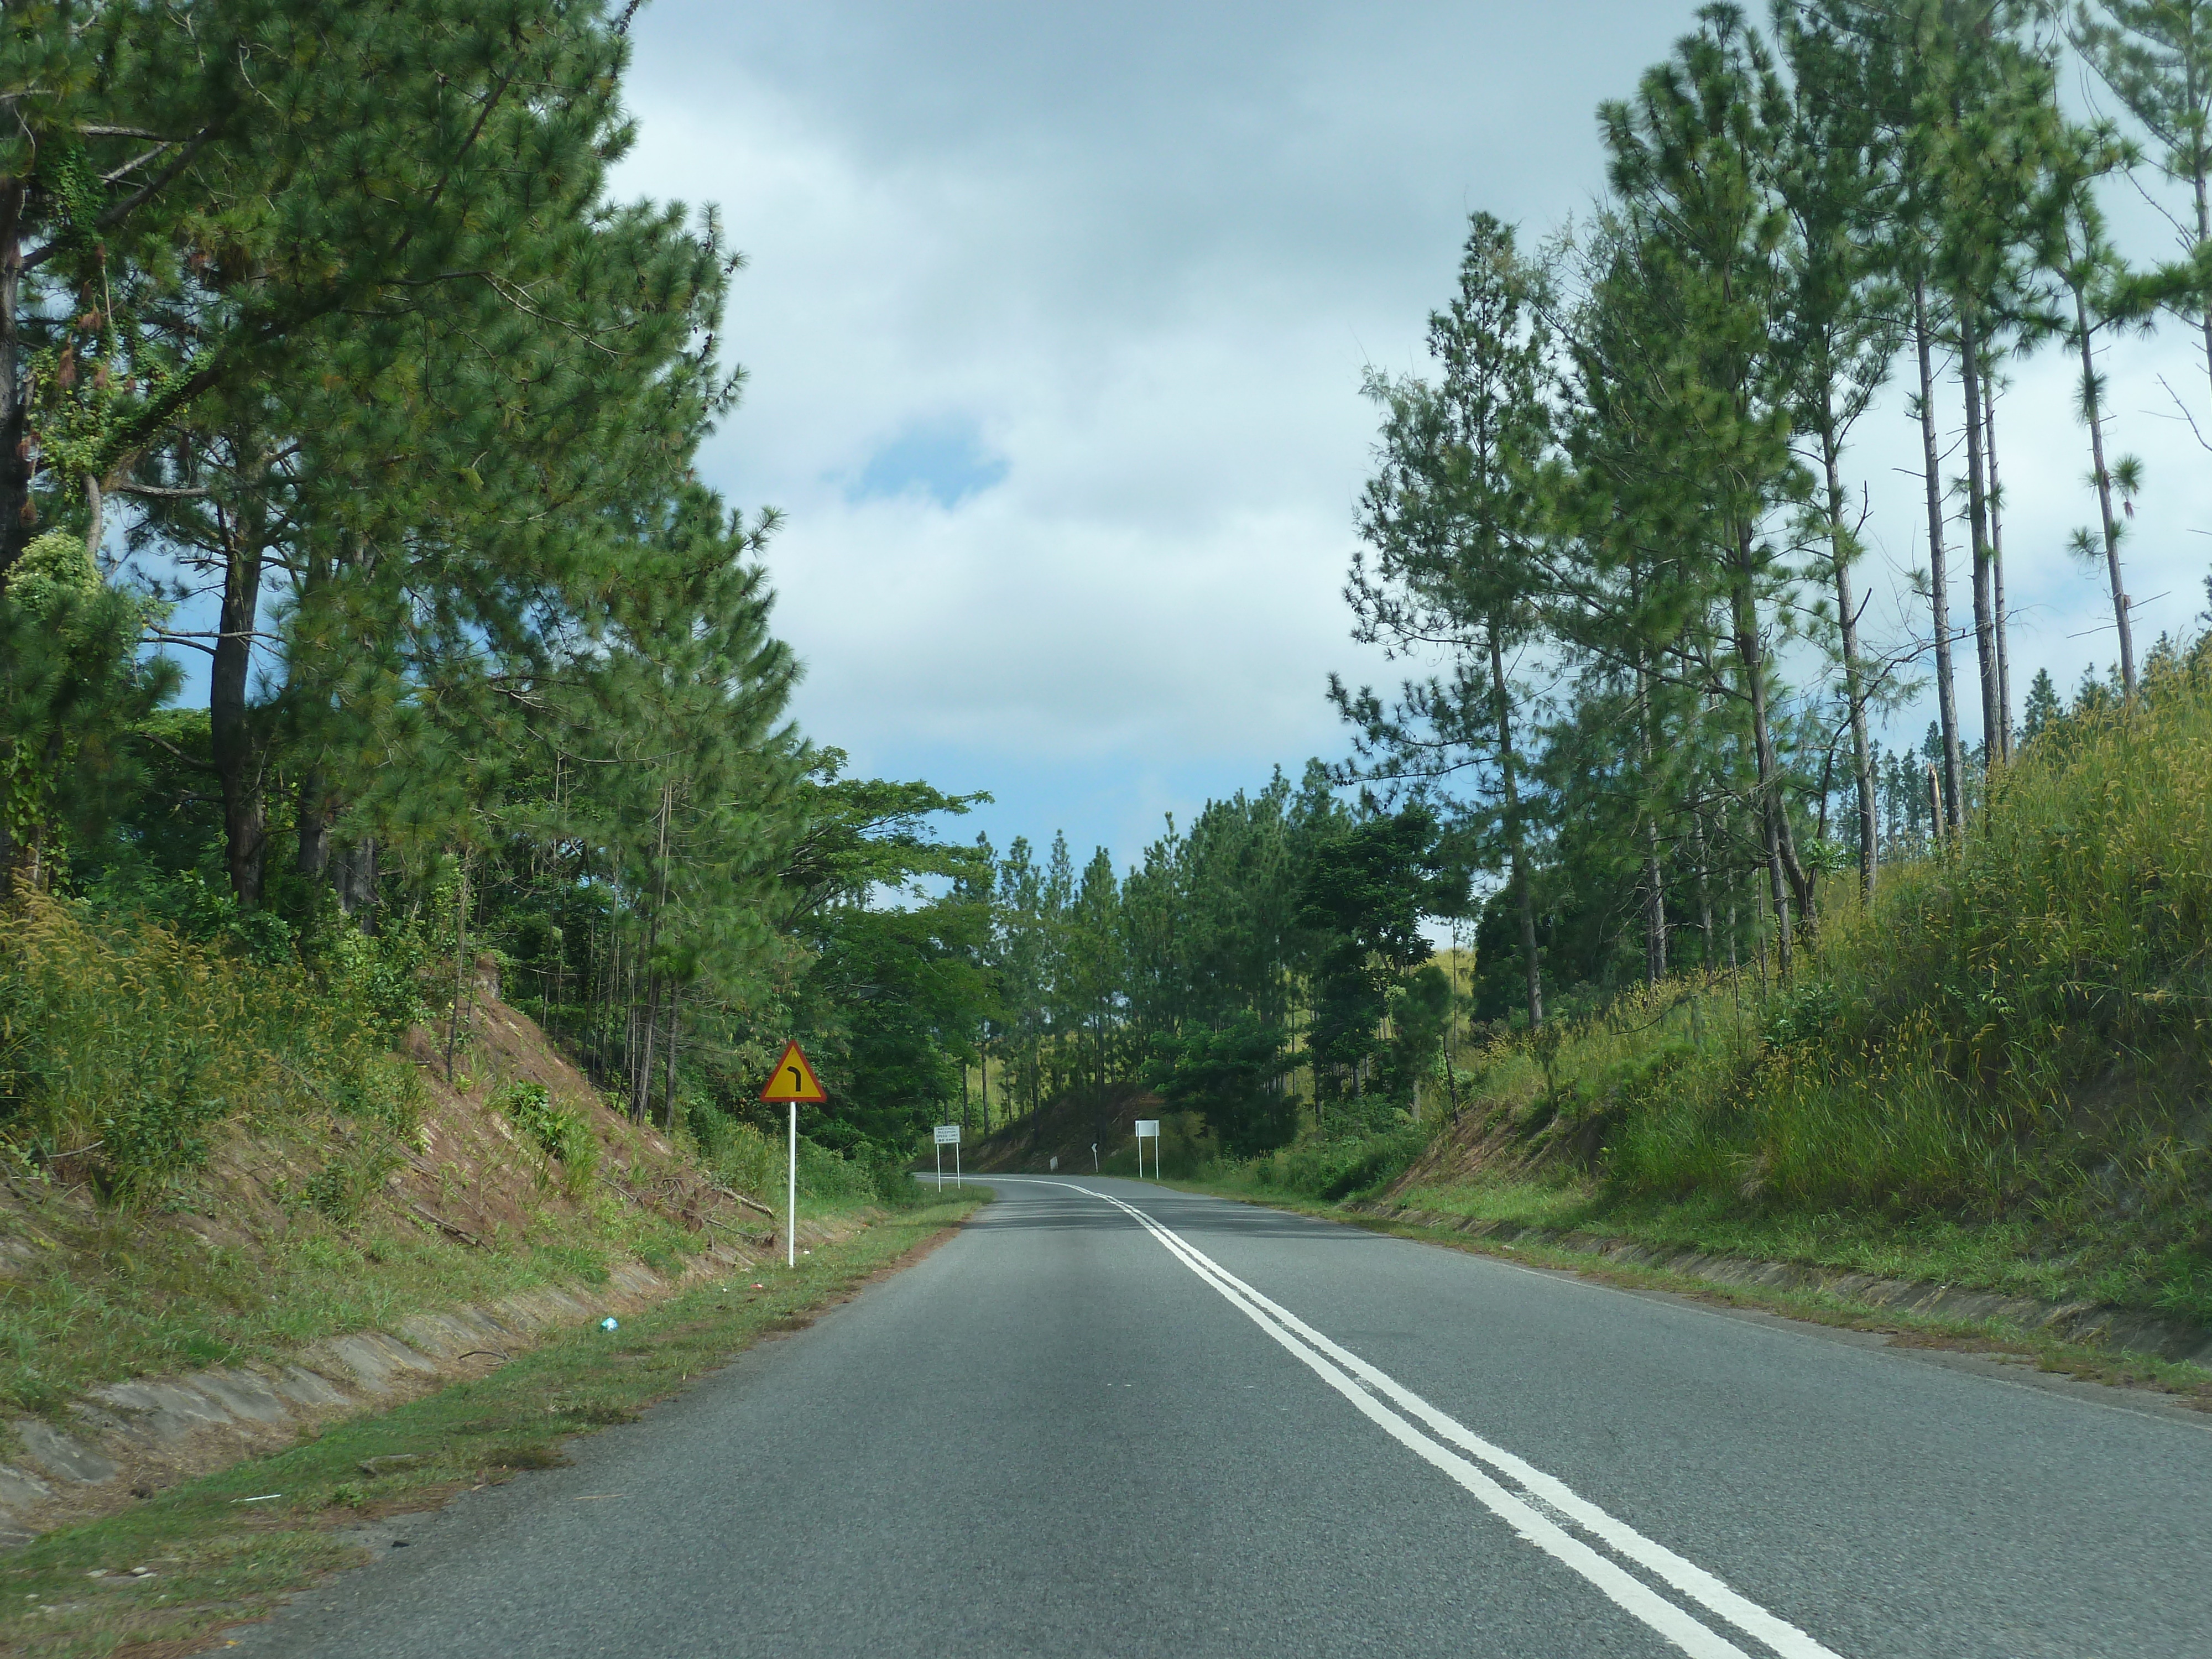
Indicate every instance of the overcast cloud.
{"type": "Point", "coordinates": [1055, 322]}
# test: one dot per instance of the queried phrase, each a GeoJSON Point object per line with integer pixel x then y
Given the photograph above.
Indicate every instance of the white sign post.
{"type": "Point", "coordinates": [1148, 1128]}
{"type": "Point", "coordinates": [794, 1081]}
{"type": "Point", "coordinates": [948, 1134]}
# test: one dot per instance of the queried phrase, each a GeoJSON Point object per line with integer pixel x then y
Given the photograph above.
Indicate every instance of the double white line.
{"type": "Point", "coordinates": [1424, 1430]}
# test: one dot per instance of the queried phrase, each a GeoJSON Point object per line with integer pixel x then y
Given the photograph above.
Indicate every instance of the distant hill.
{"type": "Point", "coordinates": [1066, 1127]}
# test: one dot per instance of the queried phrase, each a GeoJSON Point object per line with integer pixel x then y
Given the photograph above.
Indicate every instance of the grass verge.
{"type": "Point", "coordinates": [2189, 1385]}
{"type": "Point", "coordinates": [223, 1550]}
{"type": "Point", "coordinates": [2008, 1255]}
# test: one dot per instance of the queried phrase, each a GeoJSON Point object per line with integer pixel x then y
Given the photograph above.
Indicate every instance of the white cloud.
{"type": "Point", "coordinates": [1140, 255]}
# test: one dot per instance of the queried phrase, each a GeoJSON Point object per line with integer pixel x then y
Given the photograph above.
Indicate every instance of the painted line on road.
{"type": "Point", "coordinates": [1359, 1383]}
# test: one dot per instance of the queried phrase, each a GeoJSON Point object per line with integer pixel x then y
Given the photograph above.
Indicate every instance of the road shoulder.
{"type": "Point", "coordinates": [172, 1573]}
{"type": "Point", "coordinates": [1997, 1348]}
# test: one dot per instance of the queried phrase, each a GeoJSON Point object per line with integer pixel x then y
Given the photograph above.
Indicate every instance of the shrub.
{"type": "Point", "coordinates": [124, 1048]}
{"type": "Point", "coordinates": [564, 1136]}
{"type": "Point", "coordinates": [735, 1153]}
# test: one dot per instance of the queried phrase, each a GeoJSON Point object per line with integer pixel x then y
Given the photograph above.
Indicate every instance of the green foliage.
{"type": "Point", "coordinates": [735, 1153]}
{"type": "Point", "coordinates": [125, 1050]}
{"type": "Point", "coordinates": [560, 1131]}
{"type": "Point", "coordinates": [1235, 1077]}
{"type": "Point", "coordinates": [342, 1188]}
{"type": "Point", "coordinates": [1334, 1169]}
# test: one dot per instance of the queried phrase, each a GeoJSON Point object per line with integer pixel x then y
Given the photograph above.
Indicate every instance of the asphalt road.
{"type": "Point", "coordinates": [1228, 1430]}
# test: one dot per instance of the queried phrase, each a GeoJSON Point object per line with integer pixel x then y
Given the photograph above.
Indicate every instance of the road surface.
{"type": "Point", "coordinates": [1112, 1420]}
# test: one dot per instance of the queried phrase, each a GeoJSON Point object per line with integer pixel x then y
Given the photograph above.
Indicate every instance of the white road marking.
{"type": "Point", "coordinates": [1359, 1383]}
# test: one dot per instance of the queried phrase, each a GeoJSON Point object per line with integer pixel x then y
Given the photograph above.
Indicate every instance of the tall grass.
{"type": "Point", "coordinates": [2020, 1026]}
{"type": "Point", "coordinates": [124, 1049]}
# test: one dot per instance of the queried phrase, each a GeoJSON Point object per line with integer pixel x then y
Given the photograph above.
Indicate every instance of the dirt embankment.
{"type": "Point", "coordinates": [1489, 1142]}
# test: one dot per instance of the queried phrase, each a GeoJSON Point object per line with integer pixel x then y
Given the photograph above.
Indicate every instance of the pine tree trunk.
{"type": "Point", "coordinates": [230, 736]}
{"type": "Point", "coordinates": [1847, 621]}
{"type": "Point", "coordinates": [641, 1106]}
{"type": "Point", "coordinates": [1939, 592]}
{"type": "Point", "coordinates": [2203, 228]}
{"type": "Point", "coordinates": [1655, 889]}
{"type": "Point", "coordinates": [1523, 900]}
{"type": "Point", "coordinates": [16, 519]}
{"type": "Point", "coordinates": [1996, 564]}
{"type": "Point", "coordinates": [1785, 876]}
{"type": "Point", "coordinates": [313, 857]}
{"type": "Point", "coordinates": [2090, 407]}
{"type": "Point", "coordinates": [1977, 520]}
{"type": "Point", "coordinates": [675, 1008]}
{"type": "Point", "coordinates": [463, 982]}
{"type": "Point", "coordinates": [1704, 891]}
{"type": "Point", "coordinates": [356, 882]}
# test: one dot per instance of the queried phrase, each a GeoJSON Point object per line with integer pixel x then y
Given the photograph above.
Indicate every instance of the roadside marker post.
{"type": "Point", "coordinates": [948, 1134]}
{"type": "Point", "coordinates": [793, 1083]}
{"type": "Point", "coordinates": [1148, 1128]}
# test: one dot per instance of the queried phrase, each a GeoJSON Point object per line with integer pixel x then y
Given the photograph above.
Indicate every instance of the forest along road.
{"type": "Point", "coordinates": [1109, 1419]}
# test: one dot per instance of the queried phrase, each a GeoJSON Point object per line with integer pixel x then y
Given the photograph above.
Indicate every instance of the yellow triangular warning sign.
{"type": "Point", "coordinates": [795, 1080]}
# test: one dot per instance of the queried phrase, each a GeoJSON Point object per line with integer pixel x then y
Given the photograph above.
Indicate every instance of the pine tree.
{"type": "Point", "coordinates": [1454, 518]}
{"type": "Point", "coordinates": [1695, 157]}
{"type": "Point", "coordinates": [2156, 57]}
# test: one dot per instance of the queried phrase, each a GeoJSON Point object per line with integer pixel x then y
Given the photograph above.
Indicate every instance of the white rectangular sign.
{"type": "Point", "coordinates": [948, 1134]}
{"type": "Point", "coordinates": [1148, 1126]}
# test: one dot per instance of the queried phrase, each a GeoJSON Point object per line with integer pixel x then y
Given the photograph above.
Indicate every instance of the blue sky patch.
{"type": "Point", "coordinates": [944, 461]}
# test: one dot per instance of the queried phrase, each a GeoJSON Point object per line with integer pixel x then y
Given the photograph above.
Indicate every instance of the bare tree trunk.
{"type": "Point", "coordinates": [1523, 899]}
{"type": "Point", "coordinates": [1785, 877]}
{"type": "Point", "coordinates": [1705, 889]}
{"type": "Point", "coordinates": [356, 882]}
{"type": "Point", "coordinates": [643, 1099]}
{"type": "Point", "coordinates": [231, 742]}
{"type": "Point", "coordinates": [1939, 592]}
{"type": "Point", "coordinates": [464, 981]}
{"type": "Point", "coordinates": [1655, 887]}
{"type": "Point", "coordinates": [1994, 718]}
{"type": "Point", "coordinates": [2203, 221]}
{"type": "Point", "coordinates": [675, 1008]}
{"type": "Point", "coordinates": [642, 1110]}
{"type": "Point", "coordinates": [1855, 687]}
{"type": "Point", "coordinates": [17, 517]}
{"type": "Point", "coordinates": [314, 855]}
{"type": "Point", "coordinates": [2091, 406]}
{"type": "Point", "coordinates": [1996, 563]}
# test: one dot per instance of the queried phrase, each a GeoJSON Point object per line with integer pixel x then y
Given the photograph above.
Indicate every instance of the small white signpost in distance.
{"type": "Point", "coordinates": [1148, 1128]}
{"type": "Point", "coordinates": [948, 1134]}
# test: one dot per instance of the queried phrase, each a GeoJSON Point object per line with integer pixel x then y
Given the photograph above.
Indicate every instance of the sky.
{"type": "Point", "coordinates": [1055, 321]}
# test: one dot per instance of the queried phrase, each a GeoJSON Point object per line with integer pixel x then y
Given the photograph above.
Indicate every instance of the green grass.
{"type": "Point", "coordinates": [2007, 1256]}
{"type": "Point", "coordinates": [217, 1561]}
{"type": "Point", "coordinates": [117, 1294]}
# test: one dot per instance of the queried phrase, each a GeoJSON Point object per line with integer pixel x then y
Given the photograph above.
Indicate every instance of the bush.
{"type": "Point", "coordinates": [736, 1153]}
{"type": "Point", "coordinates": [124, 1048]}
{"type": "Point", "coordinates": [562, 1134]}
{"type": "Point", "coordinates": [1337, 1168]}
